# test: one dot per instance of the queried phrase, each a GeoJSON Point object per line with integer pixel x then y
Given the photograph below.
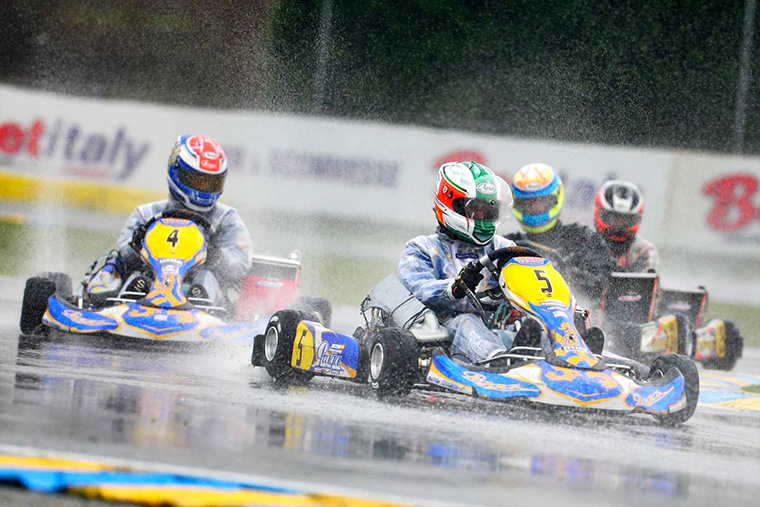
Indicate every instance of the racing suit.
{"type": "Point", "coordinates": [428, 267]}
{"type": "Point", "coordinates": [580, 255]}
{"type": "Point", "coordinates": [232, 250]}
{"type": "Point", "coordinates": [637, 256]}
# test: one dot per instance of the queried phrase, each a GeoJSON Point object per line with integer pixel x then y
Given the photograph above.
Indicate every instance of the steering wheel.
{"type": "Point", "coordinates": [138, 236]}
{"type": "Point", "coordinates": [494, 261]}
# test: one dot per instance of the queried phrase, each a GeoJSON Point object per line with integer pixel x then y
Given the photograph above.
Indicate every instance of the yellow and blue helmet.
{"type": "Point", "coordinates": [538, 194]}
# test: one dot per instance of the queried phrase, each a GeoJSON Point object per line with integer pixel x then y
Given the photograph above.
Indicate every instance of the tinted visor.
{"type": "Point", "coordinates": [535, 205]}
{"type": "Point", "coordinates": [618, 221]}
{"type": "Point", "coordinates": [482, 209]}
{"type": "Point", "coordinates": [206, 183]}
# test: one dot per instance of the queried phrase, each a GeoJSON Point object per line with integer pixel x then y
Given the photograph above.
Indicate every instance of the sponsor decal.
{"type": "Point", "coordinates": [480, 380]}
{"type": "Point", "coordinates": [346, 170]}
{"type": "Point", "coordinates": [630, 297]}
{"type": "Point", "coordinates": [736, 202]}
{"type": "Point", "coordinates": [78, 318]}
{"type": "Point", "coordinates": [486, 188]}
{"type": "Point", "coordinates": [648, 401]}
{"type": "Point", "coordinates": [467, 256]}
{"type": "Point", "coordinates": [329, 356]}
{"type": "Point", "coordinates": [91, 153]}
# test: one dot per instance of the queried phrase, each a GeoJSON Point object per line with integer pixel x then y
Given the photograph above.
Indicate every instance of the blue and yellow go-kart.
{"type": "Point", "coordinates": [173, 243]}
{"type": "Point", "coordinates": [403, 346]}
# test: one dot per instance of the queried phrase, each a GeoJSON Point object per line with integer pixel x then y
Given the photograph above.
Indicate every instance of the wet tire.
{"type": "Point", "coordinates": [320, 306]}
{"type": "Point", "coordinates": [393, 361]}
{"type": "Point", "coordinates": [734, 350]}
{"type": "Point", "coordinates": [34, 303]}
{"type": "Point", "coordinates": [660, 367]}
{"type": "Point", "coordinates": [63, 285]}
{"type": "Point", "coordinates": [685, 332]}
{"type": "Point", "coordinates": [277, 352]}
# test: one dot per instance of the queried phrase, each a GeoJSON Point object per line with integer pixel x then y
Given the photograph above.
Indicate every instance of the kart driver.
{"type": "Point", "coordinates": [618, 208]}
{"type": "Point", "coordinates": [470, 203]}
{"type": "Point", "coordinates": [618, 211]}
{"type": "Point", "coordinates": [579, 252]}
{"type": "Point", "coordinates": [196, 173]}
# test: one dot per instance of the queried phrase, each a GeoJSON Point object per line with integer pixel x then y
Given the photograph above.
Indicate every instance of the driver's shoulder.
{"type": "Point", "coordinates": [500, 242]}
{"type": "Point", "coordinates": [151, 209]}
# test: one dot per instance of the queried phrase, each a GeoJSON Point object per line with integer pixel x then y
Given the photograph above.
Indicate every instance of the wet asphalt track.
{"type": "Point", "coordinates": [209, 409]}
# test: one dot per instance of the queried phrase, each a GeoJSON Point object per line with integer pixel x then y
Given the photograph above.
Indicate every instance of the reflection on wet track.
{"type": "Point", "coordinates": [209, 408]}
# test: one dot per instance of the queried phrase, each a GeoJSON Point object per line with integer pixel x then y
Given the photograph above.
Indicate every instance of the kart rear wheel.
{"type": "Point", "coordinates": [393, 361]}
{"type": "Point", "coordinates": [320, 306]}
{"type": "Point", "coordinates": [278, 347]}
{"type": "Point", "coordinates": [34, 303]}
{"type": "Point", "coordinates": [660, 367]}
{"type": "Point", "coordinates": [734, 349]}
{"type": "Point", "coordinates": [685, 332]}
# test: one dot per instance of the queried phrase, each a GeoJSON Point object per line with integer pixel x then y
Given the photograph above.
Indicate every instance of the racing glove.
{"type": "Point", "coordinates": [468, 278]}
{"type": "Point", "coordinates": [138, 236]}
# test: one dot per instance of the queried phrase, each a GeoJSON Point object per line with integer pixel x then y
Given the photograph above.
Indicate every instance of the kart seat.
{"type": "Point", "coordinates": [405, 311]}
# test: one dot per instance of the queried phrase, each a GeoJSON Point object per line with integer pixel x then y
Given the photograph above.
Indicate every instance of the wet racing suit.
{"type": "Point", "coordinates": [229, 258]}
{"type": "Point", "coordinates": [638, 256]}
{"type": "Point", "coordinates": [579, 253]}
{"type": "Point", "coordinates": [428, 267]}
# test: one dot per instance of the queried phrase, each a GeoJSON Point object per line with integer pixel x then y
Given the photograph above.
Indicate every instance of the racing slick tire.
{"type": "Point", "coordinates": [36, 293]}
{"type": "Point", "coordinates": [278, 347]}
{"type": "Point", "coordinates": [660, 367]}
{"type": "Point", "coordinates": [393, 361]}
{"type": "Point", "coordinates": [734, 349]}
{"type": "Point", "coordinates": [320, 306]}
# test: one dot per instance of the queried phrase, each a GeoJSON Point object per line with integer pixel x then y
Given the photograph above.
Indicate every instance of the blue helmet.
{"type": "Point", "coordinates": [197, 170]}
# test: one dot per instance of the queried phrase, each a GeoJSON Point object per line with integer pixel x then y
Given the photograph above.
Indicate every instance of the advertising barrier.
{"type": "Point", "coordinates": [361, 170]}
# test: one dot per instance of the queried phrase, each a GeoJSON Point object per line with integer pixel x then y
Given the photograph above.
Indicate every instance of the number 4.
{"type": "Point", "coordinates": [173, 238]}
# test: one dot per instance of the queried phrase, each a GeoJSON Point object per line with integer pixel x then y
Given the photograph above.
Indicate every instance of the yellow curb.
{"type": "Point", "coordinates": [193, 496]}
{"type": "Point", "coordinates": [31, 463]}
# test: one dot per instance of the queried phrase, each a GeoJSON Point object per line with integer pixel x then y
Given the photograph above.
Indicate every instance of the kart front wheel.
{"type": "Point", "coordinates": [33, 306]}
{"type": "Point", "coordinates": [393, 361]}
{"type": "Point", "coordinates": [277, 350]}
{"type": "Point", "coordinates": [660, 367]}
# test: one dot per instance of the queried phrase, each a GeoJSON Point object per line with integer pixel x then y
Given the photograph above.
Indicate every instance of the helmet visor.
{"type": "Point", "coordinates": [483, 210]}
{"type": "Point", "coordinates": [206, 183]}
{"type": "Point", "coordinates": [535, 205]}
{"type": "Point", "coordinates": [619, 221]}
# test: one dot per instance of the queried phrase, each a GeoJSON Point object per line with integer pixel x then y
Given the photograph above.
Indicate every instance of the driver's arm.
{"type": "Point", "coordinates": [232, 250]}
{"type": "Point", "coordinates": [418, 271]}
{"type": "Point", "coordinates": [130, 258]}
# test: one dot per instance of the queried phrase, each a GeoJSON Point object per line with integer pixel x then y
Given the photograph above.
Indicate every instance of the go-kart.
{"type": "Point", "coordinates": [645, 320]}
{"type": "Point", "coordinates": [171, 245]}
{"type": "Point", "coordinates": [403, 346]}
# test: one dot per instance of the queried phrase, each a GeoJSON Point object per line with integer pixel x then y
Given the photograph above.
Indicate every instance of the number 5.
{"type": "Point", "coordinates": [541, 275]}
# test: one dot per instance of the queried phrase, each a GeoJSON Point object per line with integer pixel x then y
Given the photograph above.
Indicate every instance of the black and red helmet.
{"type": "Point", "coordinates": [617, 210]}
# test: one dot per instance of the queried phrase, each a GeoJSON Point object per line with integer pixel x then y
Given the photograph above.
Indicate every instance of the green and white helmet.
{"type": "Point", "coordinates": [471, 201]}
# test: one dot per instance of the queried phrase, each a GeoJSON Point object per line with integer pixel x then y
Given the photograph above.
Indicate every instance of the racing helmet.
{"type": "Point", "coordinates": [539, 194]}
{"type": "Point", "coordinates": [471, 201]}
{"type": "Point", "coordinates": [618, 209]}
{"type": "Point", "coordinates": [197, 170]}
